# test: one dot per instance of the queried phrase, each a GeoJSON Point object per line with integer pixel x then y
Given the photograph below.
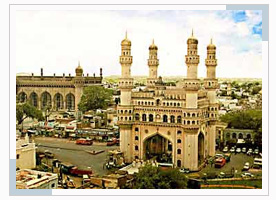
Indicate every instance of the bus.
{"type": "Point", "coordinates": [257, 163]}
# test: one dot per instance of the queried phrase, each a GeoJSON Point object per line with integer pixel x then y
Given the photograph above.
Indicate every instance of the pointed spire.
{"type": "Point", "coordinates": [79, 64]}
{"type": "Point", "coordinates": [126, 34]}
{"type": "Point", "coordinates": [152, 41]}
{"type": "Point", "coordinates": [192, 32]}
{"type": "Point", "coordinates": [211, 42]}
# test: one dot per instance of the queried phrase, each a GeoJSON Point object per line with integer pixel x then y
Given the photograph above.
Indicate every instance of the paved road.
{"type": "Point", "coordinates": [68, 151]}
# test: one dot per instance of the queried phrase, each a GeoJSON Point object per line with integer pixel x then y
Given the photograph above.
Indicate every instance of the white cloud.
{"type": "Point", "coordinates": [58, 39]}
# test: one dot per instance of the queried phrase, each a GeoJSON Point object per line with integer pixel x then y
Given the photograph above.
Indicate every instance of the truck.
{"type": "Point", "coordinates": [70, 169]}
{"type": "Point", "coordinates": [83, 141]}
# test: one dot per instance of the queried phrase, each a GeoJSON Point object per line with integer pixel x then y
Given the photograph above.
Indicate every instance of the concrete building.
{"type": "Point", "coordinates": [31, 179]}
{"type": "Point", "coordinates": [175, 124]}
{"type": "Point", "coordinates": [25, 154]}
{"type": "Point", "coordinates": [54, 92]}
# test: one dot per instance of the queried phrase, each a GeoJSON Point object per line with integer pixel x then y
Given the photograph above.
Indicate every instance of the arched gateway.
{"type": "Point", "coordinates": [158, 148]}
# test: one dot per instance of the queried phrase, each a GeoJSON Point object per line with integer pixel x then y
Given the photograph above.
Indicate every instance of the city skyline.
{"type": "Point", "coordinates": [57, 40]}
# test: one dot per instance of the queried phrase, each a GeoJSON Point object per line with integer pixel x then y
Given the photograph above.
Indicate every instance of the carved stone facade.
{"type": "Point", "coordinates": [54, 92]}
{"type": "Point", "coordinates": [171, 124]}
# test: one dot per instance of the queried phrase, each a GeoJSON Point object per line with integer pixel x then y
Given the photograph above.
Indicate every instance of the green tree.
{"type": "Point", "coordinates": [151, 177]}
{"type": "Point", "coordinates": [26, 110]}
{"type": "Point", "coordinates": [95, 97]}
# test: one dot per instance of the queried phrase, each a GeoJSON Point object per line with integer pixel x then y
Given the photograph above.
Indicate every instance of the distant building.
{"type": "Point", "coordinates": [25, 154]}
{"type": "Point", "coordinates": [32, 179]}
{"type": "Point", "coordinates": [54, 92]}
{"type": "Point", "coordinates": [235, 134]}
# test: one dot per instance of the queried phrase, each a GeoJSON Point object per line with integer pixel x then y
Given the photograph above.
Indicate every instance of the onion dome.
{"type": "Point", "coordinates": [192, 39]}
{"type": "Point", "coordinates": [153, 46]}
{"type": "Point", "coordinates": [211, 45]}
{"type": "Point", "coordinates": [79, 70]}
{"type": "Point", "coordinates": [126, 42]}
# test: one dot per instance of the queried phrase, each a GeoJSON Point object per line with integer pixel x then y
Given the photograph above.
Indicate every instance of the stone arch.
{"type": "Point", "coordinates": [70, 101]}
{"type": "Point", "coordinates": [151, 117]}
{"type": "Point", "coordinates": [200, 148]}
{"type": "Point", "coordinates": [158, 146]}
{"type": "Point", "coordinates": [144, 117]}
{"type": "Point", "coordinates": [137, 117]}
{"type": "Point", "coordinates": [234, 135]}
{"type": "Point", "coordinates": [22, 97]}
{"type": "Point", "coordinates": [46, 100]}
{"type": "Point", "coordinates": [248, 136]}
{"type": "Point", "coordinates": [172, 119]}
{"type": "Point", "coordinates": [165, 118]}
{"type": "Point", "coordinates": [34, 99]}
{"type": "Point", "coordinates": [58, 101]}
{"type": "Point", "coordinates": [179, 119]}
{"type": "Point", "coordinates": [240, 136]}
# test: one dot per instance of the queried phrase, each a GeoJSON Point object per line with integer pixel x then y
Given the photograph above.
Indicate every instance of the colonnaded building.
{"type": "Point", "coordinates": [171, 124]}
{"type": "Point", "coordinates": [58, 93]}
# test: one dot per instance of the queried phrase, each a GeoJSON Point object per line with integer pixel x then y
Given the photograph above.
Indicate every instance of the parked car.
{"type": "Point", "coordinates": [225, 175]}
{"type": "Point", "coordinates": [244, 149]}
{"type": "Point", "coordinates": [220, 162]}
{"type": "Point", "coordinates": [246, 166]}
{"type": "Point", "coordinates": [232, 150]}
{"type": "Point", "coordinates": [225, 149]}
{"type": "Point", "coordinates": [249, 152]}
{"type": "Point", "coordinates": [247, 175]}
{"type": "Point", "coordinates": [238, 150]}
{"type": "Point", "coordinates": [218, 155]}
{"type": "Point", "coordinates": [184, 170]}
{"type": "Point", "coordinates": [256, 151]}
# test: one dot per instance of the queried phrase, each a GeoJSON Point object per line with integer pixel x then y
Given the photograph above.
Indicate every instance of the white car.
{"type": "Point", "coordinates": [244, 150]}
{"type": "Point", "coordinates": [232, 150]}
{"type": "Point", "coordinates": [246, 166]}
{"type": "Point", "coordinates": [238, 150]}
{"type": "Point", "coordinates": [247, 175]}
{"type": "Point", "coordinates": [225, 149]}
{"type": "Point", "coordinates": [249, 152]}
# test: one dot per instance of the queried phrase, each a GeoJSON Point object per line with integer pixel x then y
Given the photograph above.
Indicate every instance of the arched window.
{"type": "Point", "coordinates": [193, 115]}
{"type": "Point", "coordinates": [136, 129]}
{"type": "Point", "coordinates": [33, 99]}
{"type": "Point", "coordinates": [179, 119]}
{"type": "Point", "coordinates": [179, 132]}
{"type": "Point", "coordinates": [193, 122]}
{"type": "Point", "coordinates": [22, 97]}
{"type": "Point", "coordinates": [172, 119]}
{"type": "Point", "coordinates": [248, 136]}
{"type": "Point", "coordinates": [178, 151]}
{"type": "Point", "coordinates": [179, 141]}
{"type": "Point", "coordinates": [46, 100]}
{"type": "Point", "coordinates": [240, 136]}
{"type": "Point", "coordinates": [150, 117]}
{"type": "Point", "coordinates": [165, 118]}
{"type": "Point", "coordinates": [136, 137]}
{"type": "Point", "coordinates": [157, 102]}
{"type": "Point", "coordinates": [58, 101]}
{"type": "Point", "coordinates": [227, 135]}
{"type": "Point", "coordinates": [70, 102]}
{"type": "Point", "coordinates": [234, 136]}
{"type": "Point", "coordinates": [188, 121]}
{"type": "Point", "coordinates": [137, 117]}
{"type": "Point", "coordinates": [188, 114]}
{"type": "Point", "coordinates": [178, 163]}
{"type": "Point", "coordinates": [136, 148]}
{"type": "Point", "coordinates": [144, 117]}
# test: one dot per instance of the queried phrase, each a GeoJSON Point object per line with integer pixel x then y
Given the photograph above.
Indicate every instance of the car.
{"type": "Point", "coordinates": [232, 150]}
{"type": "Point", "coordinates": [225, 149]}
{"type": "Point", "coordinates": [225, 175]}
{"type": "Point", "coordinates": [256, 151]}
{"type": "Point", "coordinates": [247, 175]}
{"type": "Point", "coordinates": [249, 152]}
{"type": "Point", "coordinates": [244, 149]}
{"type": "Point", "coordinates": [218, 155]}
{"type": "Point", "coordinates": [184, 170]}
{"type": "Point", "coordinates": [246, 166]}
{"type": "Point", "coordinates": [238, 150]}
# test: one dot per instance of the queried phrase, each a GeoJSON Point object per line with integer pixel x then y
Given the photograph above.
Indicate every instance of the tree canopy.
{"type": "Point", "coordinates": [244, 119]}
{"type": "Point", "coordinates": [151, 177]}
{"type": "Point", "coordinates": [27, 110]}
{"type": "Point", "coordinates": [95, 97]}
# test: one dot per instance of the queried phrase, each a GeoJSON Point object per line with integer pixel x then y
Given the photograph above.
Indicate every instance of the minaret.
{"type": "Point", "coordinates": [192, 82]}
{"type": "Point", "coordinates": [211, 84]}
{"type": "Point", "coordinates": [153, 63]}
{"type": "Point", "coordinates": [125, 108]}
{"type": "Point", "coordinates": [78, 82]}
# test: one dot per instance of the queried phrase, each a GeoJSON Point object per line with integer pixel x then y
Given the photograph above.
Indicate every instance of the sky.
{"type": "Point", "coordinates": [57, 40]}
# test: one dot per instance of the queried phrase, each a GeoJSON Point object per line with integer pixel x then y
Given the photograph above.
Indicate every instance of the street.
{"type": "Point", "coordinates": [68, 152]}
